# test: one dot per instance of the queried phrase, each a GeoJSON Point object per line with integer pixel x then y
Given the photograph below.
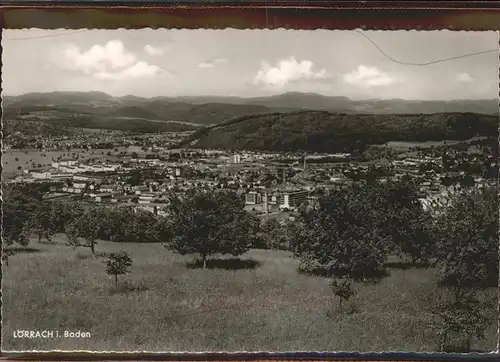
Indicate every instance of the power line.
{"type": "Point", "coordinates": [427, 63]}
{"type": "Point", "coordinates": [47, 36]}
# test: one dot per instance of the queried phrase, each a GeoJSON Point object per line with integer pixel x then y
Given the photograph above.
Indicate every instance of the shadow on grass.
{"type": "Point", "coordinates": [128, 287]}
{"type": "Point", "coordinates": [46, 242]}
{"type": "Point", "coordinates": [461, 349]}
{"type": "Point", "coordinates": [490, 282]}
{"type": "Point", "coordinates": [405, 265]}
{"type": "Point", "coordinates": [373, 277]}
{"type": "Point", "coordinates": [227, 264]}
{"type": "Point", "coordinates": [20, 250]}
{"type": "Point", "coordinates": [82, 256]}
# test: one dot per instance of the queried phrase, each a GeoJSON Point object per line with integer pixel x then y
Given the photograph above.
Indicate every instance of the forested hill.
{"type": "Point", "coordinates": [322, 131]}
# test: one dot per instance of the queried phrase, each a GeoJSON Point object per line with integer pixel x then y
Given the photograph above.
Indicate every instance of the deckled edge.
{"type": "Point", "coordinates": [261, 354]}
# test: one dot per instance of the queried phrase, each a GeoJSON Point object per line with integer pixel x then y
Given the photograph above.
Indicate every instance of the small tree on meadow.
{"type": "Point", "coordinates": [459, 318]}
{"type": "Point", "coordinates": [118, 264]}
{"type": "Point", "coordinates": [342, 289]}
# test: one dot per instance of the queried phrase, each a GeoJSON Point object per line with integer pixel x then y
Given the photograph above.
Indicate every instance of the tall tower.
{"type": "Point", "coordinates": [266, 204]}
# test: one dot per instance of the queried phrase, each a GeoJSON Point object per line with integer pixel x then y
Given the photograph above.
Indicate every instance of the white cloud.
{"type": "Point", "coordinates": [366, 76]}
{"type": "Point", "coordinates": [286, 71]}
{"type": "Point", "coordinates": [111, 61]}
{"type": "Point", "coordinates": [138, 70]}
{"type": "Point", "coordinates": [99, 58]}
{"type": "Point", "coordinates": [205, 65]}
{"type": "Point", "coordinates": [212, 63]}
{"type": "Point", "coordinates": [151, 50]}
{"type": "Point", "coordinates": [464, 77]}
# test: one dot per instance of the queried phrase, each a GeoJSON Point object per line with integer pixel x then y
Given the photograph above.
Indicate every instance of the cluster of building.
{"type": "Point", "coordinates": [269, 183]}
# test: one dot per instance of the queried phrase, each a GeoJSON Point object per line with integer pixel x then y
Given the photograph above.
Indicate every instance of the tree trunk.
{"type": "Point", "coordinates": [204, 258]}
{"type": "Point", "coordinates": [340, 302]}
{"type": "Point", "coordinates": [468, 343]}
{"type": "Point", "coordinates": [442, 342]}
{"type": "Point", "coordinates": [39, 238]}
{"type": "Point", "coordinates": [116, 280]}
{"type": "Point", "coordinates": [92, 247]}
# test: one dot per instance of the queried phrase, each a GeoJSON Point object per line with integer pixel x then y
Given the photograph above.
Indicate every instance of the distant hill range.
{"type": "Point", "coordinates": [323, 131]}
{"type": "Point", "coordinates": [234, 122]}
{"type": "Point", "coordinates": [217, 109]}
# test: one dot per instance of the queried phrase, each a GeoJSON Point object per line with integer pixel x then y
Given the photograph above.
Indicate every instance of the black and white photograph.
{"type": "Point", "coordinates": [176, 190]}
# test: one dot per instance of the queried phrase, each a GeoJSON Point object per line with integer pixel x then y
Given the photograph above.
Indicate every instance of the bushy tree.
{"type": "Point", "coordinates": [210, 222]}
{"type": "Point", "coordinates": [459, 317]}
{"type": "Point", "coordinates": [45, 221]}
{"type": "Point", "coordinates": [18, 207]}
{"type": "Point", "coordinates": [88, 226]}
{"type": "Point", "coordinates": [410, 227]}
{"type": "Point", "coordinates": [467, 256]}
{"type": "Point", "coordinates": [468, 238]}
{"type": "Point", "coordinates": [273, 235]}
{"type": "Point", "coordinates": [344, 233]}
{"type": "Point", "coordinates": [352, 230]}
{"type": "Point", "coordinates": [118, 264]}
{"type": "Point", "coordinates": [130, 226]}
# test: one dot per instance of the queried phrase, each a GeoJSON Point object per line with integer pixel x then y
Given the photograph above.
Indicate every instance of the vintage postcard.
{"type": "Point", "coordinates": [250, 190]}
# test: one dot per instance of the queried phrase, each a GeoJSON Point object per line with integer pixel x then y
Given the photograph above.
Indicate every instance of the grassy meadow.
{"type": "Point", "coordinates": [166, 304]}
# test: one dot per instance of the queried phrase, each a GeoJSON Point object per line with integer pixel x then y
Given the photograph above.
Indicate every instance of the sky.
{"type": "Point", "coordinates": [247, 63]}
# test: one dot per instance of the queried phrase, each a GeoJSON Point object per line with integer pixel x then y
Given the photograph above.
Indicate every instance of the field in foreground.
{"type": "Point", "coordinates": [164, 305]}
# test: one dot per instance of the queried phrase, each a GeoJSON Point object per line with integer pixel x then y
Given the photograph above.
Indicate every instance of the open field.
{"type": "Point", "coordinates": [26, 158]}
{"type": "Point", "coordinates": [427, 144]}
{"type": "Point", "coordinates": [164, 305]}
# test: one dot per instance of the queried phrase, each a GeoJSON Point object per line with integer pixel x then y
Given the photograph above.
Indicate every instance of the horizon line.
{"type": "Point", "coordinates": [251, 97]}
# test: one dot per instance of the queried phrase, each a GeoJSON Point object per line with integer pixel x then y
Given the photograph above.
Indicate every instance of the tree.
{"type": "Point", "coordinates": [210, 222]}
{"type": "Point", "coordinates": [89, 226]}
{"type": "Point", "coordinates": [342, 289]}
{"type": "Point", "coordinates": [127, 225]}
{"type": "Point", "coordinates": [467, 181]}
{"type": "Point", "coordinates": [18, 214]}
{"type": "Point", "coordinates": [272, 235]}
{"type": "Point", "coordinates": [411, 228]}
{"type": "Point", "coordinates": [45, 221]}
{"type": "Point", "coordinates": [468, 261]}
{"type": "Point", "coordinates": [459, 318]}
{"type": "Point", "coordinates": [118, 264]}
{"type": "Point", "coordinates": [344, 233]}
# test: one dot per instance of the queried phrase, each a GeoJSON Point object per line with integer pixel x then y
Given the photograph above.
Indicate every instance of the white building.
{"type": "Point", "coordinates": [40, 175]}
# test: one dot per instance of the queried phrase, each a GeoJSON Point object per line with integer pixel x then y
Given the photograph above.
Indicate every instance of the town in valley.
{"type": "Point", "coordinates": [139, 171]}
{"type": "Point", "coordinates": [249, 190]}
